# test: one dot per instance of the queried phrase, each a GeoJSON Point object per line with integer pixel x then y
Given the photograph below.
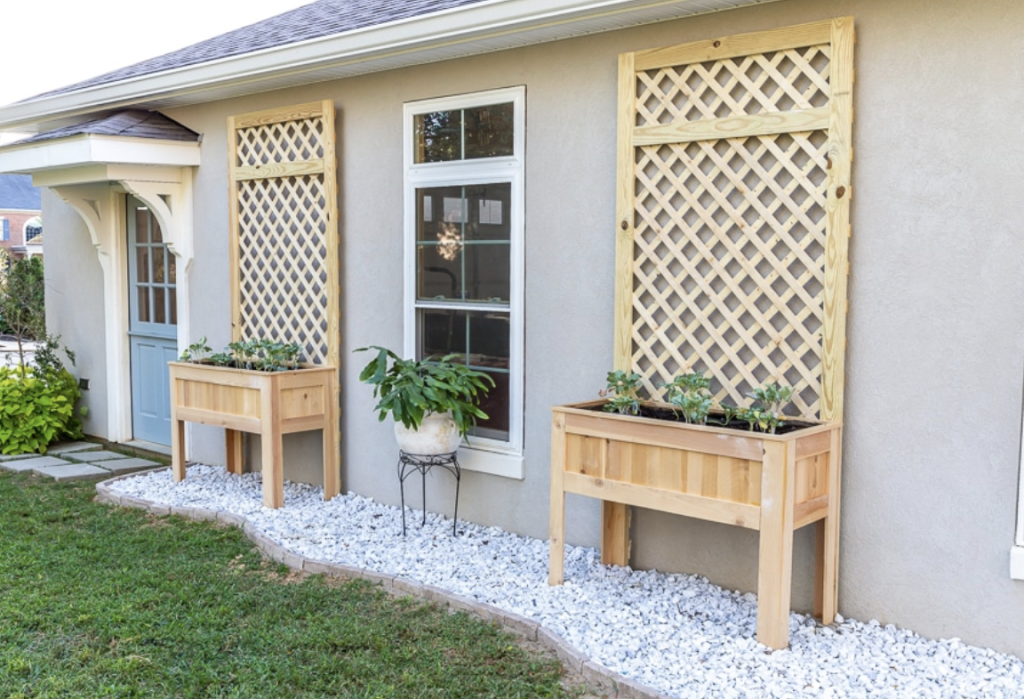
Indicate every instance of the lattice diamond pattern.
{"type": "Point", "coordinates": [771, 82]}
{"type": "Point", "coordinates": [283, 267]}
{"type": "Point", "coordinates": [730, 263]}
{"type": "Point", "coordinates": [283, 142]}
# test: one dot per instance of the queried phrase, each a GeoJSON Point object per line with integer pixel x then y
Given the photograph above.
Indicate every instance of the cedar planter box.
{"type": "Point", "coordinates": [771, 483]}
{"type": "Point", "coordinates": [270, 404]}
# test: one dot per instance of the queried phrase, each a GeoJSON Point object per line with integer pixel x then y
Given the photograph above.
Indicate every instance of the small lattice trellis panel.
{"type": "Point", "coordinates": [284, 228]}
{"type": "Point", "coordinates": [733, 209]}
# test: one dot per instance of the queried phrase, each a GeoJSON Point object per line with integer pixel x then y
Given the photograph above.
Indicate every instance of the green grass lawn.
{"type": "Point", "coordinates": [97, 601]}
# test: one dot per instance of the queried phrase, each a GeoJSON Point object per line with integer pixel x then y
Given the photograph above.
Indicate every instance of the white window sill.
{"type": "Point", "coordinates": [493, 463]}
{"type": "Point", "coordinates": [1017, 563]}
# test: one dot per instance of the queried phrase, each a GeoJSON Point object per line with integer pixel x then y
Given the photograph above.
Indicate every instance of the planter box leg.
{"type": "Point", "coordinates": [177, 449]}
{"type": "Point", "coordinates": [233, 447]}
{"type": "Point", "coordinates": [556, 567]}
{"type": "Point", "coordinates": [615, 519]}
{"type": "Point", "coordinates": [271, 452]}
{"type": "Point", "coordinates": [775, 559]}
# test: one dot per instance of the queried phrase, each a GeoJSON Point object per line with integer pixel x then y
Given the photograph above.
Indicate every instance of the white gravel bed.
{"type": "Point", "coordinates": [676, 633]}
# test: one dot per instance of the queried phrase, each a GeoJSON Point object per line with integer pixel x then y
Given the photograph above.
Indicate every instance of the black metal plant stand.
{"type": "Point", "coordinates": [408, 463]}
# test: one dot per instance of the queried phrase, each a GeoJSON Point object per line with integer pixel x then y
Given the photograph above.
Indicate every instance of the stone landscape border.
{"type": "Point", "coordinates": [599, 678]}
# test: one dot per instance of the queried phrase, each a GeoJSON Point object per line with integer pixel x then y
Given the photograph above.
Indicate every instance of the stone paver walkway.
{"type": "Point", "coordinates": [73, 461]}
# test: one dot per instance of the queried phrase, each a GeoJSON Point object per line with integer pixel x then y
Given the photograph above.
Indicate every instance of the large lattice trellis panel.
{"type": "Point", "coordinates": [733, 207]}
{"type": "Point", "coordinates": [284, 228]}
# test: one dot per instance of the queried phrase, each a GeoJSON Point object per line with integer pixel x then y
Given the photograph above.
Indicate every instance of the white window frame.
{"type": "Point", "coordinates": [480, 454]}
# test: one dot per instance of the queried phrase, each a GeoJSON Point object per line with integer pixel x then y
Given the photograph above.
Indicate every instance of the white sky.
{"type": "Point", "coordinates": [52, 43]}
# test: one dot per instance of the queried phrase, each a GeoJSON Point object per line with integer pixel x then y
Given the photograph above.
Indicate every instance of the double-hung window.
{"type": "Point", "coordinates": [464, 254]}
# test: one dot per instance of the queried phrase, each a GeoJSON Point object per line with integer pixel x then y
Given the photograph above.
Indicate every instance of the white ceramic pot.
{"type": "Point", "coordinates": [438, 434]}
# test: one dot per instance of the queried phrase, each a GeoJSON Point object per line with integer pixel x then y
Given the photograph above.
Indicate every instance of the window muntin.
{"type": "Point", "coordinates": [464, 246]}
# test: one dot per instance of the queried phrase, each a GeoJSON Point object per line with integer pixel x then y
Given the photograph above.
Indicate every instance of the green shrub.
{"type": "Point", "coordinates": [37, 408]}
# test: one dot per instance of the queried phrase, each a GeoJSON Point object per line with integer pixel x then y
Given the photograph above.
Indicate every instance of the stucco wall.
{"type": "Point", "coordinates": [74, 303]}
{"type": "Point", "coordinates": [936, 338]}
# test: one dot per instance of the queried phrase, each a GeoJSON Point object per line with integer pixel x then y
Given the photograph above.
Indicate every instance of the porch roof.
{"type": "Point", "coordinates": [332, 39]}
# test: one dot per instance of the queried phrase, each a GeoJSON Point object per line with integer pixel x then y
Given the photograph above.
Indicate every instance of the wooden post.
{"type": "Point", "coordinates": [177, 437]}
{"type": "Point", "coordinates": [775, 559]}
{"type": "Point", "coordinates": [827, 532]}
{"type": "Point", "coordinates": [271, 451]}
{"type": "Point", "coordinates": [331, 445]}
{"type": "Point", "coordinates": [233, 447]}
{"type": "Point", "coordinates": [615, 518]}
{"type": "Point", "coordinates": [556, 568]}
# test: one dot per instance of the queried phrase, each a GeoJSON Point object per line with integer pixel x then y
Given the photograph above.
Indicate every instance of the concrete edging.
{"type": "Point", "coordinates": [596, 675]}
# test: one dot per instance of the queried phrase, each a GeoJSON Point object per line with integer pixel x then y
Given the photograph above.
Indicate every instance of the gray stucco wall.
{"type": "Point", "coordinates": [74, 303]}
{"type": "Point", "coordinates": [936, 338]}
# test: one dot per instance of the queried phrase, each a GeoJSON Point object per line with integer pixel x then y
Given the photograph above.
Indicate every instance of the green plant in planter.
{"type": "Point", "coordinates": [766, 413]}
{"type": "Point", "coordinates": [690, 397]}
{"type": "Point", "coordinates": [621, 393]}
{"type": "Point", "coordinates": [258, 355]}
{"type": "Point", "coordinates": [408, 389]}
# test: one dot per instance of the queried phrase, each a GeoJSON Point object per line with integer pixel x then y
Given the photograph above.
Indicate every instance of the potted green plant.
{"type": "Point", "coordinates": [434, 402]}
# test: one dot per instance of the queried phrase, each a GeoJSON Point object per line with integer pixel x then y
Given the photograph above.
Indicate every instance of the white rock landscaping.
{"type": "Point", "coordinates": [678, 634]}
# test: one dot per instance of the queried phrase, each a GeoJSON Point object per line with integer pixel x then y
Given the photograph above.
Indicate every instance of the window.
{"type": "Point", "coordinates": [5, 229]}
{"type": "Point", "coordinates": [33, 229]}
{"type": "Point", "coordinates": [464, 248]}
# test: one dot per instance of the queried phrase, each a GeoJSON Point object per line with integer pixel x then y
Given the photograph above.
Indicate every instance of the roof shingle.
{"type": "Point", "coordinates": [17, 192]}
{"type": "Point", "coordinates": [131, 122]}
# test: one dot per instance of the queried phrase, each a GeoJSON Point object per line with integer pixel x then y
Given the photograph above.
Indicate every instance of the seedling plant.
{"type": "Point", "coordinates": [621, 392]}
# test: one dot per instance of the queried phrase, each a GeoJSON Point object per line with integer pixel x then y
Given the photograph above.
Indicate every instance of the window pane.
{"type": "Point", "coordinates": [143, 307]}
{"type": "Point", "coordinates": [489, 131]}
{"type": "Point", "coordinates": [471, 212]}
{"type": "Point", "coordinates": [159, 312]}
{"type": "Point", "coordinates": [438, 136]}
{"type": "Point", "coordinates": [142, 264]}
{"type": "Point", "coordinates": [142, 225]}
{"type": "Point", "coordinates": [497, 406]}
{"type": "Point", "coordinates": [172, 271]}
{"type": "Point", "coordinates": [482, 338]}
{"type": "Point", "coordinates": [158, 265]}
{"type": "Point", "coordinates": [155, 227]}
{"type": "Point", "coordinates": [174, 305]}
{"type": "Point", "coordinates": [470, 272]}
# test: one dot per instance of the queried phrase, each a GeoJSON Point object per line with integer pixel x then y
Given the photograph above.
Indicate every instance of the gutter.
{"type": "Point", "coordinates": [488, 26]}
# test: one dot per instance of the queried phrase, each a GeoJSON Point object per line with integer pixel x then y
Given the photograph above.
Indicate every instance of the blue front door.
{"type": "Point", "coordinates": [152, 305]}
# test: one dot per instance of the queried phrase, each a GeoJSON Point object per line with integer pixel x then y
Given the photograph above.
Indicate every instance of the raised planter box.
{"type": "Point", "coordinates": [270, 404]}
{"type": "Point", "coordinates": [771, 483]}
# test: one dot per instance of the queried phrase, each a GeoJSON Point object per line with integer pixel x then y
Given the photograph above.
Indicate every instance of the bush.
{"type": "Point", "coordinates": [37, 408]}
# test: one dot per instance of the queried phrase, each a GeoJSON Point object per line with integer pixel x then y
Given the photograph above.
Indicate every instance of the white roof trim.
{"type": "Point", "coordinates": [95, 149]}
{"type": "Point", "coordinates": [488, 26]}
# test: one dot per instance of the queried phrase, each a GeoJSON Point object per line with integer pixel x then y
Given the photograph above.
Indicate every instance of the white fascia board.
{"type": "Point", "coordinates": [516, 22]}
{"type": "Point", "coordinates": [77, 151]}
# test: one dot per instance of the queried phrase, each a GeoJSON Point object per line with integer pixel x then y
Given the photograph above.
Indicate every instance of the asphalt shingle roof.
{"type": "Point", "coordinates": [131, 122]}
{"type": "Point", "coordinates": [312, 21]}
{"type": "Point", "coordinates": [17, 192]}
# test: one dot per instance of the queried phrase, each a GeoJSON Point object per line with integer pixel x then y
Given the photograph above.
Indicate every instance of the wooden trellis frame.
{"type": "Point", "coordinates": [284, 233]}
{"type": "Point", "coordinates": [733, 217]}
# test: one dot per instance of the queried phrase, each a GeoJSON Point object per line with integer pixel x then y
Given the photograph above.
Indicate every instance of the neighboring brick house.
{"type": "Point", "coordinates": [21, 224]}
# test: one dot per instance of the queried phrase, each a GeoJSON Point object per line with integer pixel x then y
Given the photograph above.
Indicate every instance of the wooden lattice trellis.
{"type": "Point", "coordinates": [284, 229]}
{"type": "Point", "coordinates": [733, 205]}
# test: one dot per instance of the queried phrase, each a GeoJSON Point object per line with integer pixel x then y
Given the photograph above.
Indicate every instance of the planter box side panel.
{"type": "Point", "coordinates": [307, 401]}
{"type": "Point", "coordinates": [667, 469]}
{"type": "Point", "coordinates": [235, 401]}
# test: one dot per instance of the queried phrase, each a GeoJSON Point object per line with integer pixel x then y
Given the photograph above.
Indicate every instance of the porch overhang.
{"type": "Point", "coordinates": [480, 28]}
{"type": "Point", "coordinates": [87, 158]}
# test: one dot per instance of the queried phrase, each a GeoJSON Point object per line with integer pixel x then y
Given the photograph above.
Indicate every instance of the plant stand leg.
{"type": "Point", "coordinates": [233, 446]}
{"type": "Point", "coordinates": [556, 566]}
{"type": "Point", "coordinates": [826, 533]}
{"type": "Point", "coordinates": [615, 518]}
{"type": "Point", "coordinates": [177, 448]}
{"type": "Point", "coordinates": [332, 478]}
{"type": "Point", "coordinates": [775, 559]}
{"type": "Point", "coordinates": [271, 452]}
